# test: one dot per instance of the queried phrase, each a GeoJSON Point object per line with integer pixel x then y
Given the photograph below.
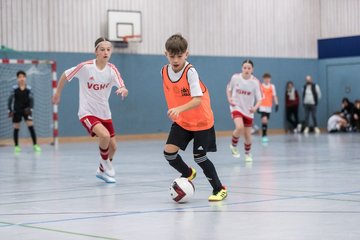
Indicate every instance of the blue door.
{"type": "Point", "coordinates": [343, 80]}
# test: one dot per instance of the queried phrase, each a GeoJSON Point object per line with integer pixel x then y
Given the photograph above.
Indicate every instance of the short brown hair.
{"type": "Point", "coordinates": [266, 75]}
{"type": "Point", "coordinates": [176, 44]}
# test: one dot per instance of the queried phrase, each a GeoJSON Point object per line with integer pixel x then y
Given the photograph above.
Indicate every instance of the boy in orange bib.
{"type": "Point", "coordinates": [190, 110]}
{"type": "Point", "coordinates": [269, 93]}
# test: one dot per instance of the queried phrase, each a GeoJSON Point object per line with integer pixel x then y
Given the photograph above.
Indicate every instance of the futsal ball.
{"type": "Point", "coordinates": [181, 190]}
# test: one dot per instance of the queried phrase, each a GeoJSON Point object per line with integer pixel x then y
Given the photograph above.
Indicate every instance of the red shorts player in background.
{"type": "Point", "coordinates": [244, 96]}
{"type": "Point", "coordinates": [96, 79]}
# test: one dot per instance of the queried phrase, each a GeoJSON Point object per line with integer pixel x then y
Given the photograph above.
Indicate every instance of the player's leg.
{"type": "Point", "coordinates": [16, 125]}
{"type": "Point", "coordinates": [16, 137]}
{"type": "Point", "coordinates": [178, 139]}
{"type": "Point", "coordinates": [205, 141]}
{"type": "Point", "coordinates": [307, 115]}
{"type": "Point", "coordinates": [264, 123]}
{"type": "Point", "coordinates": [104, 141]}
{"type": "Point", "coordinates": [30, 125]}
{"type": "Point", "coordinates": [248, 122]}
{"type": "Point", "coordinates": [112, 144]}
{"type": "Point", "coordinates": [112, 148]}
{"type": "Point", "coordinates": [238, 131]}
{"type": "Point", "coordinates": [313, 114]}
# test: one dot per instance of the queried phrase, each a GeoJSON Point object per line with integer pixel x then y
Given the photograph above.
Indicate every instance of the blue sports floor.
{"type": "Point", "coordinates": [298, 187]}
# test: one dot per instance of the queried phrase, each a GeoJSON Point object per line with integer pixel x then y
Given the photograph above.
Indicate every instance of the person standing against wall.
{"type": "Point", "coordinates": [291, 106]}
{"type": "Point", "coordinates": [311, 97]}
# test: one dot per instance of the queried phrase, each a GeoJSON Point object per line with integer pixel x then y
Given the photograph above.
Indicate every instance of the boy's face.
{"type": "Point", "coordinates": [21, 79]}
{"type": "Point", "coordinates": [103, 51]}
{"type": "Point", "coordinates": [177, 61]}
{"type": "Point", "coordinates": [267, 80]}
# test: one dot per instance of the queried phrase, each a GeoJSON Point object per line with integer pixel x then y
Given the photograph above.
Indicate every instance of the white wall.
{"type": "Point", "coordinates": [267, 28]}
{"type": "Point", "coordinates": [340, 18]}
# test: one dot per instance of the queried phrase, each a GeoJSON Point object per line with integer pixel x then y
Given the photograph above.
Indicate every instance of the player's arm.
{"type": "Point", "coordinates": [60, 86]}
{"type": "Point", "coordinates": [259, 97]}
{"type": "Point", "coordinates": [276, 100]}
{"type": "Point", "coordinates": [31, 99]}
{"type": "Point", "coordinates": [173, 113]}
{"type": "Point", "coordinates": [10, 101]}
{"type": "Point", "coordinates": [119, 82]}
{"type": "Point", "coordinates": [28, 110]}
{"type": "Point", "coordinates": [255, 108]}
{"type": "Point", "coordinates": [229, 93]}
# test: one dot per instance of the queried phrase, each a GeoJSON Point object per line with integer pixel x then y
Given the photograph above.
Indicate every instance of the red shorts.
{"type": "Point", "coordinates": [248, 122]}
{"type": "Point", "coordinates": [89, 122]}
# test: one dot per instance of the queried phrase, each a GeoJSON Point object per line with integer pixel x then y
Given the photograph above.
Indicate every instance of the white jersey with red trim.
{"type": "Point", "coordinates": [244, 92]}
{"type": "Point", "coordinates": [95, 87]}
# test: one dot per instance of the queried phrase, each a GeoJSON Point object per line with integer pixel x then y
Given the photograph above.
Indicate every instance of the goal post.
{"type": "Point", "coordinates": [41, 76]}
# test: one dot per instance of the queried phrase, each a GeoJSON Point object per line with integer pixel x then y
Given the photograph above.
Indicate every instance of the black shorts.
{"type": "Point", "coordinates": [19, 115]}
{"type": "Point", "coordinates": [204, 141]}
{"type": "Point", "coordinates": [265, 114]}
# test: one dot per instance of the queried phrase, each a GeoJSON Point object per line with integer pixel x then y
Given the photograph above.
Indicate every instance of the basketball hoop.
{"type": "Point", "coordinates": [124, 41]}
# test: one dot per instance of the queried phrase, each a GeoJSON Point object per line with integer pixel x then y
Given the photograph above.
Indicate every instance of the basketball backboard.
{"type": "Point", "coordinates": [124, 26]}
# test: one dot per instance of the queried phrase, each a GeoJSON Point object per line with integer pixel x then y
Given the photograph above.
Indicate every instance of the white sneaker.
{"type": "Point", "coordinates": [298, 127]}
{"type": "Point", "coordinates": [306, 130]}
{"type": "Point", "coordinates": [317, 130]}
{"type": "Point", "coordinates": [103, 176]}
{"type": "Point", "coordinates": [248, 157]}
{"type": "Point", "coordinates": [234, 151]}
{"type": "Point", "coordinates": [108, 168]}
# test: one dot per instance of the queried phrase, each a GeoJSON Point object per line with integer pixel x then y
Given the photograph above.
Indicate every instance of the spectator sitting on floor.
{"type": "Point", "coordinates": [337, 123]}
{"type": "Point", "coordinates": [346, 108]}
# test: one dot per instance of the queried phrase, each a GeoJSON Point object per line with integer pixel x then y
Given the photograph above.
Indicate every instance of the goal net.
{"type": "Point", "coordinates": [41, 76]}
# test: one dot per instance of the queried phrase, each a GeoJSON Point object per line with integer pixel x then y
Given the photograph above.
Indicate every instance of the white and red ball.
{"type": "Point", "coordinates": [181, 190]}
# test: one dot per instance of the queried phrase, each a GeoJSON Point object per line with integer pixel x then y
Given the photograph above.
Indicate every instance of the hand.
{"type": "Point", "coordinates": [231, 102]}
{"type": "Point", "coordinates": [27, 111]}
{"type": "Point", "coordinates": [56, 98]}
{"type": "Point", "coordinates": [123, 92]}
{"type": "Point", "coordinates": [252, 110]}
{"type": "Point", "coordinates": [173, 113]}
{"type": "Point", "coordinates": [10, 114]}
{"type": "Point", "coordinates": [276, 107]}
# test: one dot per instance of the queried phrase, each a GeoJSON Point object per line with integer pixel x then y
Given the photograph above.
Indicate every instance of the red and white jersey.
{"type": "Point", "coordinates": [244, 93]}
{"type": "Point", "coordinates": [95, 87]}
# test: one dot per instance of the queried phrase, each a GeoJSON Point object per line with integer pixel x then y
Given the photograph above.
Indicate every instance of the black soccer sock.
{"type": "Point", "coordinates": [32, 133]}
{"type": "Point", "coordinates": [16, 136]}
{"type": "Point", "coordinates": [176, 162]}
{"type": "Point", "coordinates": [264, 129]}
{"type": "Point", "coordinates": [209, 171]}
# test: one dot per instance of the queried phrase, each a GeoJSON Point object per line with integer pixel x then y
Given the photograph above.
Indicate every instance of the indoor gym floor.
{"type": "Point", "coordinates": [298, 187]}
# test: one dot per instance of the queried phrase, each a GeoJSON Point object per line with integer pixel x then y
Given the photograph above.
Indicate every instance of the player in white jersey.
{"type": "Point", "coordinates": [244, 95]}
{"type": "Point", "coordinates": [96, 79]}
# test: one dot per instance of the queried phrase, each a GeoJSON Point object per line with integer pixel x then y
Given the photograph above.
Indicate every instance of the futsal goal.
{"type": "Point", "coordinates": [41, 76]}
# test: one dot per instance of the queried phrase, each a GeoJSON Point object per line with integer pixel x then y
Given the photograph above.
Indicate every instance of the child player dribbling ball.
{"type": "Point", "coordinates": [96, 79]}
{"type": "Point", "coordinates": [189, 106]}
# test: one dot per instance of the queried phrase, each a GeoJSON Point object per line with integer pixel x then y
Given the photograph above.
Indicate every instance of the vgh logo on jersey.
{"type": "Point", "coordinates": [97, 86]}
{"type": "Point", "coordinates": [243, 92]}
